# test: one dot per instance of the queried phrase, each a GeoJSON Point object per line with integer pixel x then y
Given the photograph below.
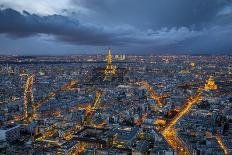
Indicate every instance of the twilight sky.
{"type": "Point", "coordinates": [60, 27]}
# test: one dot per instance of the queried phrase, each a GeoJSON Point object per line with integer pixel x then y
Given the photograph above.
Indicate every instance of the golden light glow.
{"type": "Point", "coordinates": [223, 147]}
{"type": "Point", "coordinates": [175, 142]}
{"type": "Point", "coordinates": [192, 64]}
{"type": "Point", "coordinates": [69, 86]}
{"type": "Point", "coordinates": [110, 69]}
{"type": "Point", "coordinates": [28, 97]}
{"type": "Point", "coordinates": [169, 132]}
{"type": "Point", "coordinates": [185, 109]}
{"type": "Point", "coordinates": [210, 84]}
{"type": "Point", "coordinates": [153, 94]}
{"type": "Point", "coordinates": [141, 120]}
{"type": "Point", "coordinates": [160, 122]}
{"type": "Point", "coordinates": [97, 99]}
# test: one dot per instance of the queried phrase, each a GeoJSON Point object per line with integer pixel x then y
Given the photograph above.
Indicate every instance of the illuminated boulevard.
{"type": "Point", "coordinates": [169, 132]}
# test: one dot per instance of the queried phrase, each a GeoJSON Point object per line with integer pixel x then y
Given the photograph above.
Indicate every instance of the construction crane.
{"type": "Point", "coordinates": [153, 94]}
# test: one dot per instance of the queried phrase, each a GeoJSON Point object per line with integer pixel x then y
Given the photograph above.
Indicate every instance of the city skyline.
{"type": "Point", "coordinates": [71, 27]}
{"type": "Point", "coordinates": [116, 77]}
{"type": "Point", "coordinates": [117, 104]}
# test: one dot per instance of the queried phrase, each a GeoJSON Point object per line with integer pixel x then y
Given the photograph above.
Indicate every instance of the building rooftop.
{"type": "Point", "coordinates": [9, 126]}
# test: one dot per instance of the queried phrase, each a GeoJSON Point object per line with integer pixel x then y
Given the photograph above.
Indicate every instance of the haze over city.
{"type": "Point", "coordinates": [67, 27]}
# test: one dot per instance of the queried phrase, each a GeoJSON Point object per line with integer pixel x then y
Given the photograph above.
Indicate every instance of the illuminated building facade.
{"type": "Point", "coordinates": [210, 84]}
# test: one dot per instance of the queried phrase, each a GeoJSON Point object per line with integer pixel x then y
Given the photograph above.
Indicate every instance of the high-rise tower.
{"type": "Point", "coordinates": [109, 58]}
{"type": "Point", "coordinates": [110, 69]}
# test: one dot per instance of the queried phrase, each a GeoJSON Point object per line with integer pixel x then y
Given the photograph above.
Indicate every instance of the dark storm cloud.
{"type": "Point", "coordinates": [179, 25]}
{"type": "Point", "coordinates": [134, 25]}
{"type": "Point", "coordinates": [22, 25]}
{"type": "Point", "coordinates": [156, 14]}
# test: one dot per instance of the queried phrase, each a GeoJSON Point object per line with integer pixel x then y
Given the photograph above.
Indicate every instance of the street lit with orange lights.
{"type": "Point", "coordinates": [184, 110]}
{"type": "Point", "coordinates": [175, 142]}
{"type": "Point", "coordinates": [224, 148]}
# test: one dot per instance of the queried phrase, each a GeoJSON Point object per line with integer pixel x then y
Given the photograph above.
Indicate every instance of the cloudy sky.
{"type": "Point", "coordinates": [60, 27]}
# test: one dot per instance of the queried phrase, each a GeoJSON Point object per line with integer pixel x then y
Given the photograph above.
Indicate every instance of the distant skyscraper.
{"type": "Point", "coordinates": [120, 57]}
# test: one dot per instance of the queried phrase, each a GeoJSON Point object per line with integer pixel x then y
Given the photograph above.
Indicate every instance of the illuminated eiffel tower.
{"type": "Point", "coordinates": [110, 69]}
